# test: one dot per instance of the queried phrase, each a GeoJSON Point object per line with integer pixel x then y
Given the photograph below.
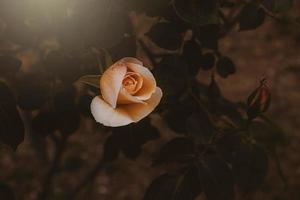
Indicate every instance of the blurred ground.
{"type": "Point", "coordinates": [272, 51]}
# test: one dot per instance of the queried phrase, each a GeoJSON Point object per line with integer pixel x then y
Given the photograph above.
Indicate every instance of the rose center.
{"type": "Point", "coordinates": [132, 82]}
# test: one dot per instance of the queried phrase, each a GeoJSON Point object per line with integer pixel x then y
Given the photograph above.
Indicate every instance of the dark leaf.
{"type": "Point", "coordinates": [268, 135]}
{"type": "Point", "coordinates": [129, 139]}
{"type": "Point", "coordinates": [166, 35]}
{"type": "Point", "coordinates": [250, 165]}
{"type": "Point", "coordinates": [178, 149]}
{"type": "Point", "coordinates": [171, 77]}
{"type": "Point", "coordinates": [161, 188]}
{"type": "Point", "coordinates": [200, 127]}
{"type": "Point", "coordinates": [208, 35]}
{"type": "Point", "coordinates": [197, 13]}
{"type": "Point", "coordinates": [207, 61]}
{"type": "Point", "coordinates": [216, 178]}
{"type": "Point", "coordinates": [251, 17]}
{"type": "Point", "coordinates": [185, 186]}
{"type": "Point", "coordinates": [278, 5]}
{"type": "Point", "coordinates": [11, 125]}
{"type": "Point", "coordinates": [225, 67]}
{"type": "Point", "coordinates": [227, 145]}
{"type": "Point", "coordinates": [191, 53]}
{"type": "Point", "coordinates": [177, 114]}
{"type": "Point", "coordinates": [6, 192]}
{"type": "Point", "coordinates": [227, 4]}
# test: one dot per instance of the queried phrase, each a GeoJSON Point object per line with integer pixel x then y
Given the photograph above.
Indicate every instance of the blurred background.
{"type": "Point", "coordinates": [58, 38]}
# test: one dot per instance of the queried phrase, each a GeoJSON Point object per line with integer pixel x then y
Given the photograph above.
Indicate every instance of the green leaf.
{"type": "Point", "coordinates": [252, 16]}
{"type": "Point", "coordinates": [278, 5]}
{"type": "Point", "coordinates": [92, 80]}
{"type": "Point", "coordinates": [11, 125]}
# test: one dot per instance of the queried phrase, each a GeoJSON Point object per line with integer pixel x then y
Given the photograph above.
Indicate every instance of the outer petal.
{"type": "Point", "coordinates": [149, 83]}
{"type": "Point", "coordinates": [111, 83]}
{"type": "Point", "coordinates": [131, 60]}
{"type": "Point", "coordinates": [107, 115]}
{"type": "Point", "coordinates": [124, 114]}
{"type": "Point", "coordinates": [140, 111]}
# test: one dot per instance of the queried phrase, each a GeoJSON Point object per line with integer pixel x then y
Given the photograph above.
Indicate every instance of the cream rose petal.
{"type": "Point", "coordinates": [140, 111]}
{"type": "Point", "coordinates": [111, 83]}
{"type": "Point", "coordinates": [126, 98]}
{"type": "Point", "coordinates": [124, 114]}
{"type": "Point", "coordinates": [108, 116]}
{"type": "Point", "coordinates": [149, 83]}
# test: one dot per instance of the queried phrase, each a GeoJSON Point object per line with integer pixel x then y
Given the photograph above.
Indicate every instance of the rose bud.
{"type": "Point", "coordinates": [128, 94]}
{"type": "Point", "coordinates": [259, 101]}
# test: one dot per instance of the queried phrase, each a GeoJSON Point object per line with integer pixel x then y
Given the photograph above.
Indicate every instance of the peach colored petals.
{"type": "Point", "coordinates": [128, 94]}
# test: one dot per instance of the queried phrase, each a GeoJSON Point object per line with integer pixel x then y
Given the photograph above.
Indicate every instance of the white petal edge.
{"type": "Point", "coordinates": [123, 114]}
{"type": "Point", "coordinates": [104, 114]}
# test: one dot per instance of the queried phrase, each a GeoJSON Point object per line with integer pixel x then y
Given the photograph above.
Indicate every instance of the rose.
{"type": "Point", "coordinates": [128, 94]}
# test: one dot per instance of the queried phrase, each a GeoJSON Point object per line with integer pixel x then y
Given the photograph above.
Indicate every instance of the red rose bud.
{"type": "Point", "coordinates": [259, 101]}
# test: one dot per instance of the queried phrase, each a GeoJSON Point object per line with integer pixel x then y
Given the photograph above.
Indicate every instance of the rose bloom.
{"type": "Point", "coordinates": [128, 94]}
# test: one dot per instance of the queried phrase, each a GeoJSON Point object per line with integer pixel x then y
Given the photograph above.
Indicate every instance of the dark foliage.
{"type": "Point", "coordinates": [219, 145]}
{"type": "Point", "coordinates": [129, 140]}
{"type": "Point", "coordinates": [11, 126]}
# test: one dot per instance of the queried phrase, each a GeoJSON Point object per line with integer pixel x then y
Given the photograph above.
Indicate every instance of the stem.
{"type": "Point", "coordinates": [46, 185]}
{"type": "Point", "coordinates": [148, 52]}
{"type": "Point", "coordinates": [280, 170]}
